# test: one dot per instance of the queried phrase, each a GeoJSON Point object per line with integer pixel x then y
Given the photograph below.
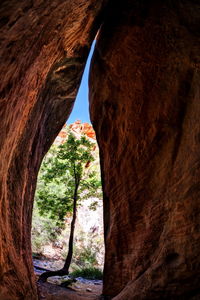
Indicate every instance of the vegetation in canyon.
{"type": "Point", "coordinates": [69, 176]}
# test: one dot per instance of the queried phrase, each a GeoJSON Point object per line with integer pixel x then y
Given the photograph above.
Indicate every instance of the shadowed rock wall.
{"type": "Point", "coordinates": [43, 49]}
{"type": "Point", "coordinates": [145, 105]}
{"type": "Point", "coordinates": [145, 108]}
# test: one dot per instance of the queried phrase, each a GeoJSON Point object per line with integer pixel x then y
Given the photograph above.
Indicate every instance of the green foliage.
{"type": "Point", "coordinates": [88, 273]}
{"type": "Point", "coordinates": [93, 205]}
{"type": "Point", "coordinates": [64, 168]}
{"type": "Point", "coordinates": [85, 256]}
{"type": "Point", "coordinates": [87, 249]}
{"type": "Point", "coordinates": [44, 231]}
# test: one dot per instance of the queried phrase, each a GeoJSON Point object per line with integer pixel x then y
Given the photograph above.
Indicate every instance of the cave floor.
{"type": "Point", "coordinates": [50, 291]}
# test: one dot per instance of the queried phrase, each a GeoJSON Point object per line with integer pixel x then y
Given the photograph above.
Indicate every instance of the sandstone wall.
{"type": "Point", "coordinates": [43, 49]}
{"type": "Point", "coordinates": [145, 108]}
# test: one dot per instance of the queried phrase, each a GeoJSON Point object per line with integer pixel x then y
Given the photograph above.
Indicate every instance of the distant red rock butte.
{"type": "Point", "coordinates": [85, 128]}
{"type": "Point", "coordinates": [78, 128]}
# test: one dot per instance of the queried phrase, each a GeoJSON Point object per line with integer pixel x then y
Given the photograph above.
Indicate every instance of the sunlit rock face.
{"type": "Point", "coordinates": [145, 108]}
{"type": "Point", "coordinates": [43, 48]}
{"type": "Point", "coordinates": [79, 128]}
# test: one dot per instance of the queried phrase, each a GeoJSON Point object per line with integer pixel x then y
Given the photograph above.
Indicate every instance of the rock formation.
{"type": "Point", "coordinates": [77, 128]}
{"type": "Point", "coordinates": [145, 107]}
{"type": "Point", "coordinates": [43, 49]}
{"type": "Point", "coordinates": [85, 128]}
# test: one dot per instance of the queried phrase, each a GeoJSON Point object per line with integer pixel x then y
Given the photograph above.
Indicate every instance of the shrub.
{"type": "Point", "coordinates": [85, 257]}
{"type": "Point", "coordinates": [44, 231]}
{"type": "Point", "coordinates": [88, 273]}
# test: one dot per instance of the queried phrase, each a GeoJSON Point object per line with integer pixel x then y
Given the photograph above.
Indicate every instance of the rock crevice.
{"type": "Point", "coordinates": [145, 107]}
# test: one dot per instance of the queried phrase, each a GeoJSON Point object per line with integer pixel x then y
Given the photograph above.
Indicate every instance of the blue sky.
{"type": "Point", "coordinates": [81, 106]}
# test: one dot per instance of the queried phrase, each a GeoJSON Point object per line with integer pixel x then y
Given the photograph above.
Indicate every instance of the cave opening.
{"type": "Point", "coordinates": [145, 108]}
{"type": "Point", "coordinates": [53, 212]}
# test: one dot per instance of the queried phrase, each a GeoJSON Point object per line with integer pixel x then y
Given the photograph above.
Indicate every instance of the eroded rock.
{"type": "Point", "coordinates": [43, 49]}
{"type": "Point", "coordinates": [145, 108]}
{"type": "Point", "coordinates": [145, 105]}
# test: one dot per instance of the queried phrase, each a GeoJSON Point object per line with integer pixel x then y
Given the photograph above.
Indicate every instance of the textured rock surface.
{"type": "Point", "coordinates": [145, 104]}
{"type": "Point", "coordinates": [83, 128]}
{"type": "Point", "coordinates": [77, 128]}
{"type": "Point", "coordinates": [145, 107]}
{"type": "Point", "coordinates": [43, 48]}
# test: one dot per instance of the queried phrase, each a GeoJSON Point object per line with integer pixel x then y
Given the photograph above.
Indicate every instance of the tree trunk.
{"type": "Point", "coordinates": [65, 270]}
{"type": "Point", "coordinates": [71, 238]}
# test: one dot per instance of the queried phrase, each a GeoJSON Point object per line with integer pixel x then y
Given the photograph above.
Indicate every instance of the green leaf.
{"type": "Point", "coordinates": [63, 168]}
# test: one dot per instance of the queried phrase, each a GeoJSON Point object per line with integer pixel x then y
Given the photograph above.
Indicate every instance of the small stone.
{"type": "Point", "coordinates": [77, 286]}
{"type": "Point", "coordinates": [88, 290]}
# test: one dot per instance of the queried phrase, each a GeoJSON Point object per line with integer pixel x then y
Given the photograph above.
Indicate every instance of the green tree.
{"type": "Point", "coordinates": [66, 179]}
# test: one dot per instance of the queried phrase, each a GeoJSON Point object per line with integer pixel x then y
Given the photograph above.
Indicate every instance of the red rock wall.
{"type": "Point", "coordinates": [43, 49]}
{"type": "Point", "coordinates": [145, 105]}
{"type": "Point", "coordinates": [145, 108]}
